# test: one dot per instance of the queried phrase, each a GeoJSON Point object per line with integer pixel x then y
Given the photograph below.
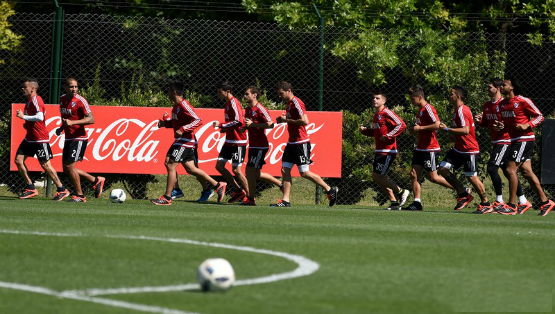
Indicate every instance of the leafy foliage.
{"type": "Point", "coordinates": [8, 39]}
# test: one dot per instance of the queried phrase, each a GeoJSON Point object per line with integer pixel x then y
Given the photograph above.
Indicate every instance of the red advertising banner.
{"type": "Point", "coordinates": [127, 140]}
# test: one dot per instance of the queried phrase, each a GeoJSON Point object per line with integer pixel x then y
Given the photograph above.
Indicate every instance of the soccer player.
{"type": "Point", "coordinates": [425, 154]}
{"type": "Point", "coordinates": [235, 144]}
{"type": "Point", "coordinates": [257, 120]}
{"type": "Point", "coordinates": [501, 142]}
{"type": "Point", "coordinates": [206, 192]}
{"type": "Point", "coordinates": [297, 150]}
{"type": "Point", "coordinates": [464, 153]}
{"type": "Point", "coordinates": [520, 115]}
{"type": "Point", "coordinates": [385, 128]}
{"type": "Point", "coordinates": [76, 113]}
{"type": "Point", "coordinates": [36, 142]}
{"type": "Point", "coordinates": [184, 121]}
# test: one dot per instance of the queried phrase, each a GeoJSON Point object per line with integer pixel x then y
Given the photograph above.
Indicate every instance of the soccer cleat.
{"type": "Point", "coordinates": [177, 194]}
{"type": "Point", "coordinates": [237, 196]}
{"type": "Point", "coordinates": [522, 208]}
{"type": "Point", "coordinates": [205, 196]}
{"type": "Point", "coordinates": [248, 202]}
{"type": "Point", "coordinates": [498, 205]}
{"type": "Point", "coordinates": [483, 209]}
{"type": "Point", "coordinates": [77, 199]}
{"type": "Point", "coordinates": [463, 201]}
{"type": "Point", "coordinates": [403, 195]}
{"type": "Point", "coordinates": [507, 210]}
{"type": "Point", "coordinates": [414, 206]}
{"type": "Point", "coordinates": [61, 195]}
{"type": "Point", "coordinates": [281, 203]}
{"type": "Point", "coordinates": [393, 206]}
{"type": "Point", "coordinates": [29, 193]}
{"type": "Point", "coordinates": [332, 195]}
{"type": "Point", "coordinates": [99, 186]}
{"type": "Point", "coordinates": [221, 191]}
{"type": "Point", "coordinates": [162, 200]}
{"type": "Point", "coordinates": [545, 209]}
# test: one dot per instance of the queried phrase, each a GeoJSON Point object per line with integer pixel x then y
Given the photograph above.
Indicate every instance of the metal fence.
{"type": "Point", "coordinates": [118, 54]}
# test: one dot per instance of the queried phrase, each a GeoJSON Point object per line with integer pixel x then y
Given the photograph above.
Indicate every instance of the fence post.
{"type": "Point", "coordinates": [55, 67]}
{"type": "Point", "coordinates": [320, 82]}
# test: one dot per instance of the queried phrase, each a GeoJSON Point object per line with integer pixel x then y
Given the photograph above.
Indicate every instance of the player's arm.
{"type": "Point", "coordinates": [87, 119]}
{"type": "Point", "coordinates": [37, 117]}
{"type": "Point", "coordinates": [427, 128]}
{"type": "Point", "coordinates": [457, 131]}
{"type": "Point", "coordinates": [260, 125]}
{"type": "Point", "coordinates": [536, 117]}
{"type": "Point", "coordinates": [302, 121]}
{"type": "Point", "coordinates": [398, 125]}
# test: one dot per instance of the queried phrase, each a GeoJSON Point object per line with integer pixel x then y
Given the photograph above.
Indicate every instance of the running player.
{"type": "Point", "coordinates": [235, 143]}
{"type": "Point", "coordinates": [36, 142]}
{"type": "Point", "coordinates": [297, 150]}
{"type": "Point", "coordinates": [76, 113]}
{"type": "Point", "coordinates": [184, 121]}
{"type": "Point", "coordinates": [427, 148]}
{"type": "Point", "coordinates": [385, 128]}
{"type": "Point", "coordinates": [257, 120]}
{"type": "Point", "coordinates": [501, 142]}
{"type": "Point", "coordinates": [464, 153]}
{"type": "Point", "coordinates": [520, 115]}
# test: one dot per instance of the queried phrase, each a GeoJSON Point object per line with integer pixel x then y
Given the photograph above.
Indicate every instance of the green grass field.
{"type": "Point", "coordinates": [62, 258]}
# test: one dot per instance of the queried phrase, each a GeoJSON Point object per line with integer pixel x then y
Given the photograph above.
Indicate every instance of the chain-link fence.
{"type": "Point", "coordinates": [125, 60]}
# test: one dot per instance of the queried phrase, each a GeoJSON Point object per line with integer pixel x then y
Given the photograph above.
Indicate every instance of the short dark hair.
{"type": "Point", "coordinates": [225, 86]}
{"type": "Point", "coordinates": [416, 90]}
{"type": "Point", "coordinates": [66, 83]}
{"type": "Point", "coordinates": [381, 93]}
{"type": "Point", "coordinates": [254, 90]}
{"type": "Point", "coordinates": [178, 88]}
{"type": "Point", "coordinates": [461, 91]}
{"type": "Point", "coordinates": [497, 82]}
{"type": "Point", "coordinates": [285, 86]}
{"type": "Point", "coordinates": [33, 82]}
{"type": "Point", "coordinates": [515, 83]}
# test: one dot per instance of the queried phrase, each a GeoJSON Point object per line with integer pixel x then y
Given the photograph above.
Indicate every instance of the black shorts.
{"type": "Point", "coordinates": [521, 151]}
{"type": "Point", "coordinates": [499, 154]}
{"type": "Point", "coordinates": [181, 153]}
{"type": "Point", "coordinates": [428, 160]}
{"type": "Point", "coordinates": [42, 151]}
{"type": "Point", "coordinates": [455, 160]}
{"type": "Point", "coordinates": [234, 153]}
{"type": "Point", "coordinates": [297, 154]}
{"type": "Point", "coordinates": [74, 151]}
{"type": "Point", "coordinates": [256, 157]}
{"type": "Point", "coordinates": [383, 162]}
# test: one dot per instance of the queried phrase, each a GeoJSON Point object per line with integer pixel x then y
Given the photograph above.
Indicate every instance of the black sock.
{"type": "Point", "coordinates": [239, 190]}
{"type": "Point", "coordinates": [30, 186]}
{"type": "Point", "coordinates": [167, 197]}
{"type": "Point", "coordinates": [485, 204]}
{"type": "Point", "coordinates": [543, 203]}
{"type": "Point", "coordinates": [60, 189]}
{"type": "Point", "coordinates": [463, 194]}
{"type": "Point", "coordinates": [511, 205]}
{"type": "Point", "coordinates": [95, 180]}
{"type": "Point", "coordinates": [82, 195]}
{"type": "Point", "coordinates": [215, 187]}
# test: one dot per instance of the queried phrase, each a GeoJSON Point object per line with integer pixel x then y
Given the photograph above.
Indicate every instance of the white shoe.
{"type": "Point", "coordinates": [404, 195]}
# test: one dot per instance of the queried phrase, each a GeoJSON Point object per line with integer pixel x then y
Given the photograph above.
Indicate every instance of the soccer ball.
{"type": "Point", "coordinates": [215, 274]}
{"type": "Point", "coordinates": [117, 196]}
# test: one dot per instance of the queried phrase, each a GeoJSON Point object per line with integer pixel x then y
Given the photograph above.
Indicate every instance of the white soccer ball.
{"type": "Point", "coordinates": [215, 274]}
{"type": "Point", "coordinates": [117, 196]}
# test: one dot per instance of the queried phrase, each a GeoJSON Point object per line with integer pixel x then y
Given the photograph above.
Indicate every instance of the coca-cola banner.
{"type": "Point", "coordinates": [127, 140]}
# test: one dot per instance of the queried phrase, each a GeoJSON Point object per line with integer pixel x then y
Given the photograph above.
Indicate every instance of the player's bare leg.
{"type": "Point", "coordinates": [171, 167]}
{"type": "Point", "coordinates": [452, 180]}
{"type": "Point", "coordinates": [49, 170]}
{"type": "Point", "coordinates": [241, 179]}
{"type": "Point", "coordinates": [287, 182]}
{"type": "Point", "coordinates": [220, 166]}
{"type": "Point", "coordinates": [266, 177]}
{"type": "Point", "coordinates": [71, 171]}
{"type": "Point", "coordinates": [434, 177]}
{"type": "Point", "coordinates": [479, 187]}
{"type": "Point", "coordinates": [252, 175]}
{"type": "Point", "coordinates": [85, 175]}
{"type": "Point", "coordinates": [414, 176]}
{"type": "Point", "coordinates": [388, 187]}
{"type": "Point", "coordinates": [526, 169]}
{"type": "Point", "coordinates": [22, 168]}
{"type": "Point", "coordinates": [513, 180]}
{"type": "Point", "coordinates": [200, 175]}
{"type": "Point", "coordinates": [316, 179]}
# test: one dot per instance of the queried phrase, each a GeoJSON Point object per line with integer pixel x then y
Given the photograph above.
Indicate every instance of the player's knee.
{"type": "Point", "coordinates": [413, 174]}
{"type": "Point", "coordinates": [377, 176]}
{"type": "Point", "coordinates": [444, 172]}
{"type": "Point", "coordinates": [237, 171]}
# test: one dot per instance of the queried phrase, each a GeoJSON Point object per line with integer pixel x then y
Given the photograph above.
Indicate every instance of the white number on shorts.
{"type": "Point", "coordinates": [73, 154]}
{"type": "Point", "coordinates": [41, 153]}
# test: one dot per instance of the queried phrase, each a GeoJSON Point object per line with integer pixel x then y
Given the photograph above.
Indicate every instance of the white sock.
{"type": "Point", "coordinates": [499, 198]}
{"type": "Point", "coordinates": [417, 200]}
{"type": "Point", "coordinates": [522, 199]}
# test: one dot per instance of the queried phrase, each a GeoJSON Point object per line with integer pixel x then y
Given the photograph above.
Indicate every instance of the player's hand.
{"type": "Point", "coordinates": [178, 133]}
{"type": "Point", "coordinates": [416, 128]}
{"type": "Point", "coordinates": [478, 117]}
{"type": "Point", "coordinates": [362, 128]}
{"type": "Point", "coordinates": [67, 122]}
{"type": "Point", "coordinates": [281, 119]}
{"type": "Point", "coordinates": [522, 127]}
{"type": "Point", "coordinates": [166, 116]}
{"type": "Point", "coordinates": [216, 124]}
{"type": "Point", "coordinates": [19, 113]}
{"type": "Point", "coordinates": [498, 125]}
{"type": "Point", "coordinates": [383, 138]}
{"type": "Point", "coordinates": [59, 131]}
{"type": "Point", "coordinates": [442, 126]}
{"type": "Point", "coordinates": [248, 122]}
{"type": "Point", "coordinates": [243, 129]}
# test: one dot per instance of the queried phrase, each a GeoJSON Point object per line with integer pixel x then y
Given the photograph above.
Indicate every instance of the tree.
{"type": "Point", "coordinates": [8, 39]}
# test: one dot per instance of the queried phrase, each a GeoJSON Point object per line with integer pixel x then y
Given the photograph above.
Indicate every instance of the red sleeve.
{"type": "Point", "coordinates": [536, 117]}
{"type": "Point", "coordinates": [399, 125]}
{"type": "Point", "coordinates": [196, 121]}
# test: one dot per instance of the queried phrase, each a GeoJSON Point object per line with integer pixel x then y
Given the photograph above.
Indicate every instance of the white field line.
{"type": "Point", "coordinates": [109, 302]}
{"type": "Point", "coordinates": [305, 266]}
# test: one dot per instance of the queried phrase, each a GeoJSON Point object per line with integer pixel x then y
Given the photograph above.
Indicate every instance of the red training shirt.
{"type": "Point", "coordinates": [491, 112]}
{"type": "Point", "coordinates": [520, 110]}
{"type": "Point", "coordinates": [36, 130]}
{"type": "Point", "coordinates": [295, 110]}
{"type": "Point", "coordinates": [74, 109]}
{"type": "Point", "coordinates": [257, 136]}
{"type": "Point", "coordinates": [234, 120]}
{"type": "Point", "coordinates": [386, 123]}
{"type": "Point", "coordinates": [427, 141]}
{"type": "Point", "coordinates": [465, 144]}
